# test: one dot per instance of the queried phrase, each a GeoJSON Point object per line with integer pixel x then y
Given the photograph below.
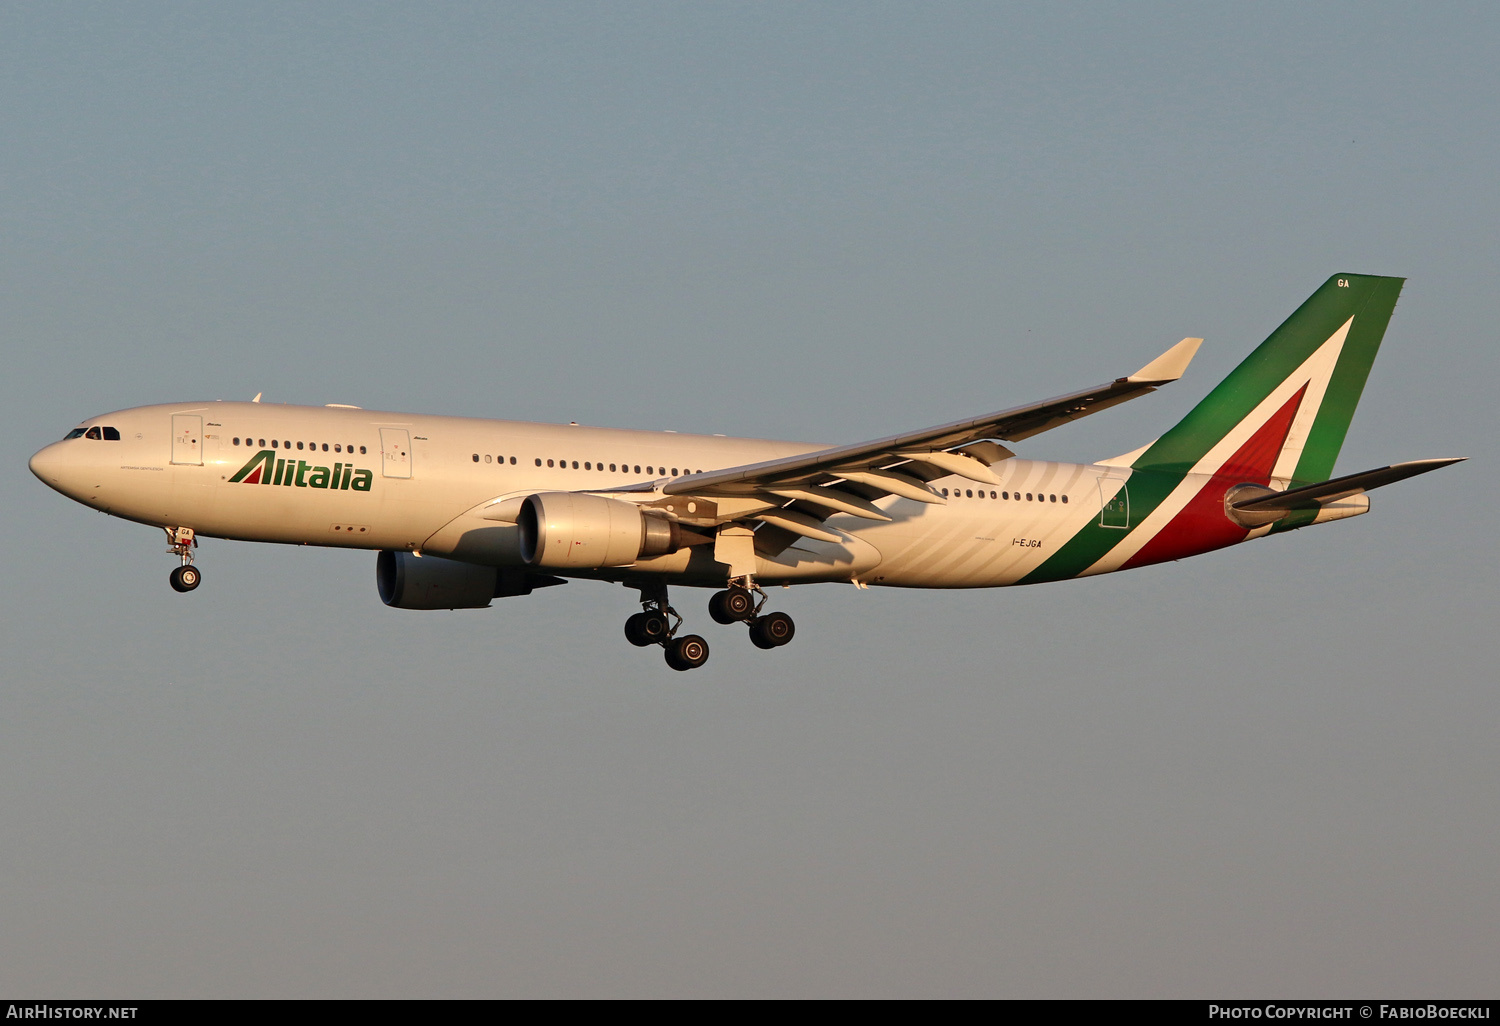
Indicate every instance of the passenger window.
{"type": "Point", "coordinates": [674, 471]}
{"type": "Point", "coordinates": [992, 495]}
{"type": "Point", "coordinates": [1052, 498]}
{"type": "Point", "coordinates": [575, 464]}
{"type": "Point", "coordinates": [325, 446]}
{"type": "Point", "coordinates": [549, 463]}
{"type": "Point", "coordinates": [1065, 498]}
{"type": "Point", "coordinates": [611, 466]}
{"type": "Point", "coordinates": [274, 443]}
{"type": "Point", "coordinates": [487, 458]}
{"type": "Point", "coordinates": [945, 492]}
{"type": "Point", "coordinates": [361, 450]}
{"type": "Point", "coordinates": [476, 457]}
{"type": "Point", "coordinates": [969, 492]}
{"type": "Point", "coordinates": [513, 461]}
{"type": "Point", "coordinates": [236, 441]}
{"type": "Point", "coordinates": [337, 447]}
{"type": "Point", "coordinates": [637, 469]}
{"type": "Point", "coordinates": [1028, 496]}
{"type": "Point", "coordinates": [586, 465]}
{"type": "Point", "coordinates": [262, 443]}
{"type": "Point", "coordinates": [299, 446]}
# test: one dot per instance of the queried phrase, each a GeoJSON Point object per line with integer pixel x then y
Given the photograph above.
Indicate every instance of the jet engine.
{"type": "Point", "coordinates": [563, 530]}
{"type": "Point", "coordinates": [408, 581]}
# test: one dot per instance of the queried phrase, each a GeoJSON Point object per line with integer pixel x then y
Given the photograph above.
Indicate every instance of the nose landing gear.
{"type": "Point", "coordinates": [182, 541]}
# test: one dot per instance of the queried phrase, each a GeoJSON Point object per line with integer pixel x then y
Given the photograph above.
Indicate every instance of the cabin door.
{"type": "Point", "coordinates": [187, 439]}
{"type": "Point", "coordinates": [395, 452]}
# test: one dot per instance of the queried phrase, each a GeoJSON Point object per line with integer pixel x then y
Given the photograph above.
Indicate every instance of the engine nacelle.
{"type": "Point", "coordinates": [428, 582]}
{"type": "Point", "coordinates": [564, 530]}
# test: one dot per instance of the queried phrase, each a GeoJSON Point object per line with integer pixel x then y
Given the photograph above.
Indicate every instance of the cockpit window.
{"type": "Point", "coordinates": [93, 432]}
{"type": "Point", "coordinates": [75, 433]}
{"type": "Point", "coordinates": [111, 434]}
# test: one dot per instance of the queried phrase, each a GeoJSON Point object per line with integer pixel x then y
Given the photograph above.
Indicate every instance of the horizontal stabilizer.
{"type": "Point", "coordinates": [1315, 495]}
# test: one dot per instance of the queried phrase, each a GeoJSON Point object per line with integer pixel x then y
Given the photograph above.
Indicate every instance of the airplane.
{"type": "Point", "coordinates": [463, 511]}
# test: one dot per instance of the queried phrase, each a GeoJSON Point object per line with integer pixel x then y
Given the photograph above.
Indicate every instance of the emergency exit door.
{"type": "Point", "coordinates": [187, 439]}
{"type": "Point", "coordinates": [1114, 502]}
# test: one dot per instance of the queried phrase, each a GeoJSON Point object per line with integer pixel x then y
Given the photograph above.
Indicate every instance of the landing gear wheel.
{"type": "Point", "coordinates": [772, 630]}
{"type": "Point", "coordinates": [718, 612]}
{"type": "Point", "coordinates": [731, 606]}
{"type": "Point", "coordinates": [739, 603]}
{"type": "Point", "coordinates": [687, 652]}
{"type": "Point", "coordinates": [642, 629]}
{"type": "Point", "coordinates": [185, 578]}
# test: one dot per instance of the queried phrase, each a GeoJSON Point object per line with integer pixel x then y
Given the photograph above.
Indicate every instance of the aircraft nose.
{"type": "Point", "coordinates": [61, 468]}
{"type": "Point", "coordinates": [46, 463]}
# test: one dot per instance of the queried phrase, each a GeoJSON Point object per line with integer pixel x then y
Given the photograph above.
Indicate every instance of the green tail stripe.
{"type": "Point", "coordinates": [1147, 491]}
{"type": "Point", "coordinates": [1369, 299]}
{"type": "Point", "coordinates": [1348, 382]}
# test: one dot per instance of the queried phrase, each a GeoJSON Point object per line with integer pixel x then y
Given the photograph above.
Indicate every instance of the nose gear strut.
{"type": "Point", "coordinates": [182, 541]}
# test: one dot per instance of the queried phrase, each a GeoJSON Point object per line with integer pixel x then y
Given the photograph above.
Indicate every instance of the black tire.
{"type": "Point", "coordinates": [772, 630]}
{"type": "Point", "coordinates": [185, 578]}
{"type": "Point", "coordinates": [718, 612]}
{"type": "Point", "coordinates": [687, 652]}
{"type": "Point", "coordinates": [644, 629]}
{"type": "Point", "coordinates": [738, 603]}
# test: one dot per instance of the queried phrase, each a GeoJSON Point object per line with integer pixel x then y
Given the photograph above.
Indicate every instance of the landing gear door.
{"type": "Point", "coordinates": [1114, 502]}
{"type": "Point", "coordinates": [395, 452]}
{"type": "Point", "coordinates": [187, 439]}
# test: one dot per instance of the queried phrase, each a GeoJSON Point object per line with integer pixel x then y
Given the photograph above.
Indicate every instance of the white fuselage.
{"type": "Point", "coordinates": [427, 481]}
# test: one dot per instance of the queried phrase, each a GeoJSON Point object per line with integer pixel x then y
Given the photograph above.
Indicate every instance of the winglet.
{"type": "Point", "coordinates": [1169, 366]}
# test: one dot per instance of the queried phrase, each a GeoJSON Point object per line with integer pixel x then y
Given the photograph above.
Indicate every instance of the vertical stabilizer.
{"type": "Point", "coordinates": [1317, 361]}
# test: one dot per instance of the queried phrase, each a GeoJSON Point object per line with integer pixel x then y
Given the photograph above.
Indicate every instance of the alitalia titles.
{"type": "Point", "coordinates": [267, 469]}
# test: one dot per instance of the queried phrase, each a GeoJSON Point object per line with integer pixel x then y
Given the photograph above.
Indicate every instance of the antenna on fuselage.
{"type": "Point", "coordinates": [257, 397]}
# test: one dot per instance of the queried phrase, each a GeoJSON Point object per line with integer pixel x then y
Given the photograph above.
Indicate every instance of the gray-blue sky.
{"type": "Point", "coordinates": [1263, 771]}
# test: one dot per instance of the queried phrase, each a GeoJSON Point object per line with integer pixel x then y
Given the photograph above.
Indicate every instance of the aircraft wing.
{"type": "Point", "coordinates": [903, 464]}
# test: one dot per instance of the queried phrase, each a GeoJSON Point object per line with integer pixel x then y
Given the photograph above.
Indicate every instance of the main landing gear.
{"type": "Point", "coordinates": [654, 626]}
{"type": "Point", "coordinates": [658, 623]}
{"type": "Point", "coordinates": [738, 604]}
{"type": "Point", "coordinates": [182, 541]}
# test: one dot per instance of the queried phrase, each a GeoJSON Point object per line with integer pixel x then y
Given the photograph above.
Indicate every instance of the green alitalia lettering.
{"type": "Point", "coordinates": [265, 468]}
{"type": "Point", "coordinates": [261, 464]}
